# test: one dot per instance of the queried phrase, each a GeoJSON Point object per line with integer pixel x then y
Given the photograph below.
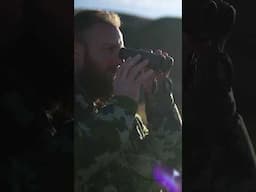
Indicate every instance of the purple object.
{"type": "Point", "coordinates": [170, 180]}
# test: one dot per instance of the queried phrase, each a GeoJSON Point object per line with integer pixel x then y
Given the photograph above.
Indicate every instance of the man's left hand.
{"type": "Point", "coordinates": [151, 83]}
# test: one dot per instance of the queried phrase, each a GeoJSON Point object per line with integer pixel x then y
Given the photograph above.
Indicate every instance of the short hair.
{"type": "Point", "coordinates": [87, 18]}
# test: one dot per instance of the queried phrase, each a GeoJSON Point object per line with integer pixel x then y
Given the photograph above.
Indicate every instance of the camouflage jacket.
{"type": "Point", "coordinates": [115, 151]}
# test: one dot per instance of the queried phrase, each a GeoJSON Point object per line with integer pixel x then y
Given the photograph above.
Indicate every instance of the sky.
{"type": "Point", "coordinates": [145, 8]}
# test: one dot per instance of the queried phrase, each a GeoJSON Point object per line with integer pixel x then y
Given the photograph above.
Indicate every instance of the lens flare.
{"type": "Point", "coordinates": [169, 179]}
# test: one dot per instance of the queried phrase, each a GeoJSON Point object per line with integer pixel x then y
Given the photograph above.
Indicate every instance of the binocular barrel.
{"type": "Point", "coordinates": [156, 62]}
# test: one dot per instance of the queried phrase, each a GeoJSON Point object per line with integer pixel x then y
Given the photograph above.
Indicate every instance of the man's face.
{"type": "Point", "coordinates": [98, 59]}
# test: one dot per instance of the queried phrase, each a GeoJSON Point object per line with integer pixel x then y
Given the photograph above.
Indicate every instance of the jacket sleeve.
{"type": "Point", "coordinates": [165, 125]}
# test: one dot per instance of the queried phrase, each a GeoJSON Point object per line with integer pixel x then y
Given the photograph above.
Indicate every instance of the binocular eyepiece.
{"type": "Point", "coordinates": [156, 62]}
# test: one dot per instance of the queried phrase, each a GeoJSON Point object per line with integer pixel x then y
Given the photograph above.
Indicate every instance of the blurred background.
{"type": "Point", "coordinates": [144, 8]}
{"type": "Point", "coordinates": [148, 24]}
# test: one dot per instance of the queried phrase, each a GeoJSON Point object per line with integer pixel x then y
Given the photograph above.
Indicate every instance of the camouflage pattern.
{"type": "Point", "coordinates": [115, 151]}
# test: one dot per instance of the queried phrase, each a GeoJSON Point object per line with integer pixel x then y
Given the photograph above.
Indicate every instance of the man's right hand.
{"type": "Point", "coordinates": [130, 76]}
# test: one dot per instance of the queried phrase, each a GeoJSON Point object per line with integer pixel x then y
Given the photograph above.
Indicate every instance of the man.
{"type": "Point", "coordinates": [114, 150]}
{"type": "Point", "coordinates": [218, 153]}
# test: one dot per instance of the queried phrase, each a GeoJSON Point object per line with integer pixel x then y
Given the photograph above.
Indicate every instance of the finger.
{"type": "Point", "coordinates": [149, 78]}
{"type": "Point", "coordinates": [138, 69]}
{"type": "Point", "coordinates": [165, 54]}
{"type": "Point", "coordinates": [148, 83]}
{"type": "Point", "coordinates": [129, 64]}
{"type": "Point", "coordinates": [159, 52]}
{"type": "Point", "coordinates": [145, 76]}
{"type": "Point", "coordinates": [160, 76]}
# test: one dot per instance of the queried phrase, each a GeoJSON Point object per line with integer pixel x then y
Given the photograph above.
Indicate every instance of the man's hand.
{"type": "Point", "coordinates": [130, 77]}
{"type": "Point", "coordinates": [153, 81]}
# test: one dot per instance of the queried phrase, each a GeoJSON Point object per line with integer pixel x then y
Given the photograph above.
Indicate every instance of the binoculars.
{"type": "Point", "coordinates": [156, 62]}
